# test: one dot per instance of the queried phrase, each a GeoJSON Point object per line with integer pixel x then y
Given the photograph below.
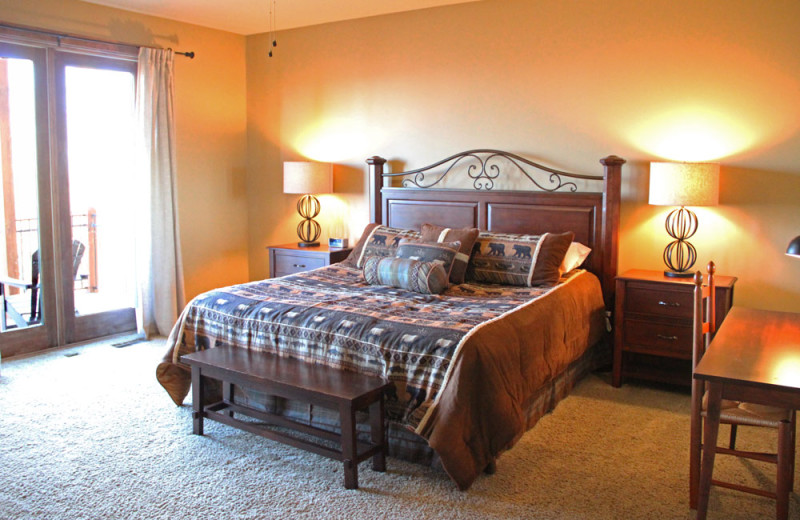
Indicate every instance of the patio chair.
{"type": "Point", "coordinates": [35, 314]}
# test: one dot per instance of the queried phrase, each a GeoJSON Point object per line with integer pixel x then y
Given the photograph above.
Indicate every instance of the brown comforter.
{"type": "Point", "coordinates": [465, 364]}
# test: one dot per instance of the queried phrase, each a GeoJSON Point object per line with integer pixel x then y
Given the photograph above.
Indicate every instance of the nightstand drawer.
{"type": "Point", "coordinates": [292, 258]}
{"type": "Point", "coordinates": [658, 300]}
{"type": "Point", "coordinates": [652, 337]}
{"type": "Point", "coordinates": [288, 263]}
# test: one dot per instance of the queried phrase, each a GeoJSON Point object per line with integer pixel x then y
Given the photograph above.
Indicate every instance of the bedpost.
{"type": "Point", "coordinates": [612, 184]}
{"type": "Point", "coordinates": [375, 183]}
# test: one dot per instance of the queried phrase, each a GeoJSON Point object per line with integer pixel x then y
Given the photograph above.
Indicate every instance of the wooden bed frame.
{"type": "Point", "coordinates": [557, 206]}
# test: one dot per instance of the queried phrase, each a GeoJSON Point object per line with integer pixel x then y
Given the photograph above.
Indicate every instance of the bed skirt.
{"type": "Point", "coordinates": [407, 445]}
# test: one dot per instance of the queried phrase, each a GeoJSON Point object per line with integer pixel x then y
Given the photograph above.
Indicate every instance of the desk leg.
{"type": "Point", "coordinates": [696, 440]}
{"type": "Point", "coordinates": [710, 432]}
{"type": "Point", "coordinates": [785, 476]}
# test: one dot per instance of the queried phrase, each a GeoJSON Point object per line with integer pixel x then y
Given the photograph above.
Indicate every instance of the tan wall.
{"type": "Point", "coordinates": [566, 82]}
{"type": "Point", "coordinates": [210, 115]}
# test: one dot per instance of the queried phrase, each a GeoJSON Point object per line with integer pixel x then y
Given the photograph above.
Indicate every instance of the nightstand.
{"type": "Point", "coordinates": [291, 258]}
{"type": "Point", "coordinates": [653, 325]}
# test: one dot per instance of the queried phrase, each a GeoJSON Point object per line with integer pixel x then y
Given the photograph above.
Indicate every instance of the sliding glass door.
{"type": "Point", "coordinates": [66, 153]}
{"type": "Point", "coordinates": [95, 100]}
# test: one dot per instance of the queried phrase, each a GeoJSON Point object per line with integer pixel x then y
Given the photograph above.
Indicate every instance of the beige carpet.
{"type": "Point", "coordinates": [94, 436]}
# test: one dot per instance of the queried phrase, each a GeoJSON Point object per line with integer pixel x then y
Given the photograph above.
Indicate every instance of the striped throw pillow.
{"type": "Point", "coordinates": [405, 273]}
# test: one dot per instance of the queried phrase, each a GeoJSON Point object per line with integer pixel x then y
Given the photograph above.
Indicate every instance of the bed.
{"type": "Point", "coordinates": [473, 368]}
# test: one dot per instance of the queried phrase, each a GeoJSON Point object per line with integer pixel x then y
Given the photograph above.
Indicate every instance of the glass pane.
{"type": "Point", "coordinates": [19, 268]}
{"type": "Point", "coordinates": [100, 162]}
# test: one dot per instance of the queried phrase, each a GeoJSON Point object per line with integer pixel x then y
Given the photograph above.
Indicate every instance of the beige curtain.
{"type": "Point", "coordinates": [159, 265]}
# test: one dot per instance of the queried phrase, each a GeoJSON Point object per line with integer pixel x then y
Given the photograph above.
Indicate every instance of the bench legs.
{"type": "Point", "coordinates": [227, 395]}
{"type": "Point", "coordinates": [350, 441]}
{"type": "Point", "coordinates": [349, 446]}
{"type": "Point", "coordinates": [377, 434]}
{"type": "Point", "coordinates": [197, 401]}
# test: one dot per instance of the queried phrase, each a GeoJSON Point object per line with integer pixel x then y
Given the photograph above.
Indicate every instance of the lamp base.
{"type": "Point", "coordinates": [308, 244]}
{"type": "Point", "coordinates": [678, 274]}
{"type": "Point", "coordinates": [680, 255]}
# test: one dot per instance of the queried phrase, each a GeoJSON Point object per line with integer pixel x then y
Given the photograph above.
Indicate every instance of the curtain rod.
{"type": "Point", "coordinates": [188, 54]}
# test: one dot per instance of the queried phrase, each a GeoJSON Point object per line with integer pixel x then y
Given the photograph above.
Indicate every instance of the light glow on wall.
{"type": "Point", "coordinates": [332, 140]}
{"type": "Point", "coordinates": [693, 134]}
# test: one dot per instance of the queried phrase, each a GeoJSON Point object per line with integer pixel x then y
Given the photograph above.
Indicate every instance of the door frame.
{"type": "Point", "coordinates": [59, 325]}
{"type": "Point", "coordinates": [45, 334]}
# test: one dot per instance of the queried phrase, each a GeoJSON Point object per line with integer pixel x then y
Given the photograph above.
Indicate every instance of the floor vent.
{"type": "Point", "coordinates": [127, 343]}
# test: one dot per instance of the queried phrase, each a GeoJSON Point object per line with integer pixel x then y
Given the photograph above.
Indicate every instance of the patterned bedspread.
{"type": "Point", "coordinates": [331, 316]}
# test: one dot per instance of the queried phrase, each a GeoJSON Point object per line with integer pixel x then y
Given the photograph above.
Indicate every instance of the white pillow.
{"type": "Point", "coordinates": [575, 256]}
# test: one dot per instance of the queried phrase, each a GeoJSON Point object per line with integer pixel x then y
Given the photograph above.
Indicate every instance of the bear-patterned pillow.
{"type": "Point", "coordinates": [524, 260]}
{"type": "Point", "coordinates": [382, 241]}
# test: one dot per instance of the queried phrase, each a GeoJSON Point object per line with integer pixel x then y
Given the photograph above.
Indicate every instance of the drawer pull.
{"type": "Point", "coordinates": [669, 304]}
{"type": "Point", "coordinates": [668, 338]}
{"type": "Point", "coordinates": [301, 266]}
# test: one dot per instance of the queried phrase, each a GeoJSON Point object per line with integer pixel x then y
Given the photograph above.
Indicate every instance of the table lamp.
{"type": "Point", "coordinates": [308, 178]}
{"type": "Point", "coordinates": [794, 247]}
{"type": "Point", "coordinates": [682, 184]}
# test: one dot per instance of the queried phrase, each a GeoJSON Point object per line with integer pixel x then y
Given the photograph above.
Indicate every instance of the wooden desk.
{"type": "Point", "coordinates": [755, 357]}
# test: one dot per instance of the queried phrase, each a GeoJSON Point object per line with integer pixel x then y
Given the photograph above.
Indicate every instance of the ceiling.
{"type": "Point", "coordinates": [252, 16]}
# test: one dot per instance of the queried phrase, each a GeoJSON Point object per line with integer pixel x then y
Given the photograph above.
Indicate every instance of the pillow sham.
{"type": "Point", "coordinates": [576, 254]}
{"type": "Point", "coordinates": [467, 237]}
{"type": "Point", "coordinates": [355, 254]}
{"type": "Point", "coordinates": [406, 273]}
{"type": "Point", "coordinates": [439, 252]}
{"type": "Point", "coordinates": [524, 260]}
{"type": "Point", "coordinates": [382, 241]}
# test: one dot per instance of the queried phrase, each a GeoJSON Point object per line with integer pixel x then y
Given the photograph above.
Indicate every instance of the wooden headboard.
{"type": "Point", "coordinates": [557, 205]}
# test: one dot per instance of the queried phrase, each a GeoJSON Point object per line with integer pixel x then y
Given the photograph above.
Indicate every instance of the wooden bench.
{"type": "Point", "coordinates": [340, 390]}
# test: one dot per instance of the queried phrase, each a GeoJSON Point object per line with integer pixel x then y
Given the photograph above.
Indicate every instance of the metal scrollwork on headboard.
{"type": "Point", "coordinates": [483, 167]}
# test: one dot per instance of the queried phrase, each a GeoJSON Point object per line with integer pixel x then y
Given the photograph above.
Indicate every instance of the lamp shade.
{"type": "Point", "coordinates": [307, 177]}
{"type": "Point", "coordinates": [794, 247]}
{"type": "Point", "coordinates": [684, 184]}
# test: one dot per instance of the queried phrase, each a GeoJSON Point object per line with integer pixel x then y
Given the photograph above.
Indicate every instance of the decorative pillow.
{"type": "Point", "coordinates": [405, 273]}
{"type": "Point", "coordinates": [439, 252]}
{"type": "Point", "coordinates": [355, 254]}
{"type": "Point", "coordinates": [526, 260]}
{"type": "Point", "coordinates": [467, 237]}
{"type": "Point", "coordinates": [576, 254]}
{"type": "Point", "coordinates": [382, 241]}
